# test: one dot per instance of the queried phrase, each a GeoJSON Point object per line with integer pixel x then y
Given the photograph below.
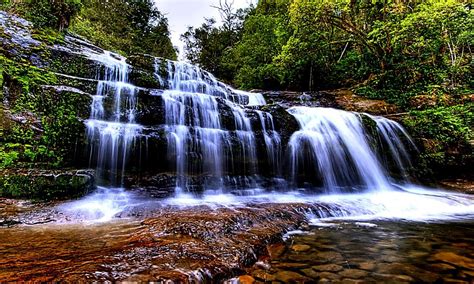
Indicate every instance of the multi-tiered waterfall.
{"type": "Point", "coordinates": [197, 140]}
{"type": "Point", "coordinates": [112, 132]}
{"type": "Point", "coordinates": [169, 129]}
{"type": "Point", "coordinates": [218, 138]}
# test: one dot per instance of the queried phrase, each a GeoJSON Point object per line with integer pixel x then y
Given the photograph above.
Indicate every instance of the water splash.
{"type": "Point", "coordinates": [102, 206]}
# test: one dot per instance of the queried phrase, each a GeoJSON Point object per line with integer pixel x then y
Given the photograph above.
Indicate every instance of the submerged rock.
{"type": "Point", "coordinates": [457, 260]}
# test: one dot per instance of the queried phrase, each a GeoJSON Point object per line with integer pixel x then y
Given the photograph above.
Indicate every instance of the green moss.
{"type": "Point", "coordinates": [48, 36]}
{"type": "Point", "coordinates": [77, 65]}
{"type": "Point", "coordinates": [45, 186]}
{"type": "Point", "coordinates": [144, 79]}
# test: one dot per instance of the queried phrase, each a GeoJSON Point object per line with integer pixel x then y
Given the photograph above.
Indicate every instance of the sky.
{"type": "Point", "coordinates": [184, 13]}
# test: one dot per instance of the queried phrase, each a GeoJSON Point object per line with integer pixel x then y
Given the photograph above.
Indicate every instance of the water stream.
{"type": "Point", "coordinates": [332, 165]}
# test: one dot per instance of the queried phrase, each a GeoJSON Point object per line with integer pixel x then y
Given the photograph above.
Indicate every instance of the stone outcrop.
{"type": "Point", "coordinates": [46, 185]}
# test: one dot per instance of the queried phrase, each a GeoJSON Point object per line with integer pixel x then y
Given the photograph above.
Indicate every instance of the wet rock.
{"type": "Point", "coordinates": [406, 269]}
{"type": "Point", "coordinates": [441, 267]}
{"type": "Point", "coordinates": [246, 279]}
{"type": "Point", "coordinates": [54, 95]}
{"type": "Point", "coordinates": [292, 277]}
{"type": "Point", "coordinates": [353, 281]}
{"type": "Point", "coordinates": [300, 248]}
{"type": "Point", "coordinates": [310, 273]}
{"type": "Point", "coordinates": [329, 276]}
{"type": "Point", "coordinates": [391, 278]}
{"type": "Point", "coordinates": [455, 259]}
{"type": "Point", "coordinates": [464, 185]}
{"type": "Point", "coordinates": [454, 281]}
{"type": "Point", "coordinates": [366, 265]}
{"type": "Point", "coordinates": [46, 185]}
{"type": "Point", "coordinates": [468, 273]}
{"type": "Point", "coordinates": [329, 256]}
{"type": "Point", "coordinates": [328, 267]}
{"type": "Point", "coordinates": [348, 100]}
{"type": "Point", "coordinates": [304, 258]}
{"type": "Point", "coordinates": [262, 275]}
{"type": "Point", "coordinates": [290, 265]}
{"type": "Point", "coordinates": [275, 250]}
{"type": "Point", "coordinates": [353, 273]}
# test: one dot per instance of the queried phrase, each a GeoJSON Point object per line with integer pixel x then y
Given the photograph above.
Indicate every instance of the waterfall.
{"type": "Point", "coordinates": [272, 142]}
{"type": "Point", "coordinates": [110, 136]}
{"type": "Point", "coordinates": [392, 135]}
{"type": "Point", "coordinates": [197, 140]}
{"type": "Point", "coordinates": [336, 143]}
{"type": "Point", "coordinates": [211, 141]}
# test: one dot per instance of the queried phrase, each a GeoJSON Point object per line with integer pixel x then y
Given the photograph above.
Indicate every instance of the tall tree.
{"type": "Point", "coordinates": [128, 26]}
{"type": "Point", "coordinates": [208, 45]}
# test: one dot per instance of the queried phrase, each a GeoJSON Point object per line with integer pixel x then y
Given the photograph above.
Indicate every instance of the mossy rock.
{"type": "Point", "coordinates": [85, 85]}
{"type": "Point", "coordinates": [44, 185]}
{"type": "Point", "coordinates": [51, 97]}
{"type": "Point", "coordinates": [144, 78]}
{"type": "Point", "coordinates": [142, 61]}
{"type": "Point", "coordinates": [73, 64]}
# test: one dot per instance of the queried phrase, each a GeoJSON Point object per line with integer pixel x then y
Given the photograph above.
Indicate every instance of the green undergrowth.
{"type": "Point", "coordinates": [445, 134]}
{"type": "Point", "coordinates": [36, 126]}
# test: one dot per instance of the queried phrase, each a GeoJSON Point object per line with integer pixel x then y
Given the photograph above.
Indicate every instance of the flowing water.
{"type": "Point", "coordinates": [333, 165]}
{"type": "Point", "coordinates": [110, 134]}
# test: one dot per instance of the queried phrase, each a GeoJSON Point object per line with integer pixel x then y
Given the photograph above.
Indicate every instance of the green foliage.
{"type": "Point", "coordinates": [445, 134]}
{"type": "Point", "coordinates": [387, 49]}
{"type": "Point", "coordinates": [210, 46]}
{"type": "Point", "coordinates": [40, 186]}
{"type": "Point", "coordinates": [452, 124]}
{"type": "Point", "coordinates": [125, 26]}
{"type": "Point", "coordinates": [27, 76]}
{"type": "Point", "coordinates": [55, 14]}
{"type": "Point", "coordinates": [260, 43]}
{"type": "Point", "coordinates": [8, 157]}
{"type": "Point", "coordinates": [21, 144]}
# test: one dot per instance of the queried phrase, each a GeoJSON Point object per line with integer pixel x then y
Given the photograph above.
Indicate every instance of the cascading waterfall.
{"type": "Point", "coordinates": [196, 138]}
{"type": "Point", "coordinates": [272, 142]}
{"type": "Point", "coordinates": [338, 148]}
{"type": "Point", "coordinates": [111, 136]}
{"type": "Point", "coordinates": [212, 130]}
{"type": "Point", "coordinates": [331, 144]}
{"type": "Point", "coordinates": [392, 135]}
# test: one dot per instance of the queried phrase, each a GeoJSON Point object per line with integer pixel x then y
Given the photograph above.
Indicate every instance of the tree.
{"type": "Point", "coordinates": [127, 26]}
{"type": "Point", "coordinates": [209, 45]}
{"type": "Point", "coordinates": [55, 14]}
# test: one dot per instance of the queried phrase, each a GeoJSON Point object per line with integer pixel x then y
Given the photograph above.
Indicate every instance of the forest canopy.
{"type": "Point", "coordinates": [384, 49]}
{"type": "Point", "coordinates": [125, 26]}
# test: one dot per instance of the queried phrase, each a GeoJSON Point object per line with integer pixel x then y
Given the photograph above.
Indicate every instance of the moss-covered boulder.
{"type": "Point", "coordinates": [45, 185]}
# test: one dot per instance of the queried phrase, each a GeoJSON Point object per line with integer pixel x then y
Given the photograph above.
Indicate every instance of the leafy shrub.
{"type": "Point", "coordinates": [46, 13]}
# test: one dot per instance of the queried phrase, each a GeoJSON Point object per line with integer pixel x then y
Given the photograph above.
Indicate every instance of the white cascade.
{"type": "Point", "coordinates": [111, 134]}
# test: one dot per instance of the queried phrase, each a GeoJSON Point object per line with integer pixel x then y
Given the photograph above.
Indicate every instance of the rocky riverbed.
{"type": "Point", "coordinates": [195, 244]}
{"type": "Point", "coordinates": [375, 252]}
{"type": "Point", "coordinates": [250, 241]}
